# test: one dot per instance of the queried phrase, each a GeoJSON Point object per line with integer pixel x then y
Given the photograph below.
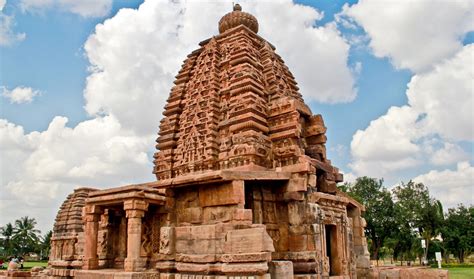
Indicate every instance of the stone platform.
{"type": "Point", "coordinates": [15, 274]}
{"type": "Point", "coordinates": [115, 274]}
{"type": "Point", "coordinates": [398, 272]}
{"type": "Point", "coordinates": [151, 274]}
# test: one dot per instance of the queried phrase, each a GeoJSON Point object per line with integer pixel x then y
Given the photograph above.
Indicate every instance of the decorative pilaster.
{"type": "Point", "coordinates": [135, 210]}
{"type": "Point", "coordinates": [91, 219]}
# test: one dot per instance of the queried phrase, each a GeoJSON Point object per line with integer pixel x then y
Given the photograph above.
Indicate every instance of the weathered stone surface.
{"type": "Point", "coordinates": [409, 273]}
{"type": "Point", "coordinates": [245, 268]}
{"type": "Point", "coordinates": [17, 274]}
{"type": "Point", "coordinates": [248, 241]}
{"type": "Point", "coordinates": [37, 269]}
{"type": "Point", "coordinates": [281, 269]}
{"type": "Point", "coordinates": [67, 240]}
{"type": "Point", "coordinates": [230, 193]}
{"type": "Point", "coordinates": [246, 257]}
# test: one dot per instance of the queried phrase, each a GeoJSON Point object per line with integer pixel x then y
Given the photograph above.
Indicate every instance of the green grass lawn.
{"type": "Point", "coordinates": [461, 272]}
{"type": "Point", "coordinates": [28, 265]}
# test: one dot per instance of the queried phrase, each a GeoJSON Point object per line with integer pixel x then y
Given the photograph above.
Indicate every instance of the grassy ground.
{"type": "Point", "coordinates": [461, 272]}
{"type": "Point", "coordinates": [28, 265]}
{"type": "Point", "coordinates": [31, 264]}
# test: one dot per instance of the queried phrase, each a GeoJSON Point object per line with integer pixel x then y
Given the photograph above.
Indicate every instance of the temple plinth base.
{"type": "Point", "coordinates": [114, 273]}
{"type": "Point", "coordinates": [89, 264]}
{"type": "Point", "coordinates": [134, 265]}
{"type": "Point", "coordinates": [119, 262]}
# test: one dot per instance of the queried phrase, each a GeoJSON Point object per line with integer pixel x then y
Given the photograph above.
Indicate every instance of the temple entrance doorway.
{"type": "Point", "coordinates": [112, 238]}
{"type": "Point", "coordinates": [332, 251]}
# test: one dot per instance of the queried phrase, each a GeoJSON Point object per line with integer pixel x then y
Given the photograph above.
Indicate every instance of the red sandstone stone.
{"type": "Point", "coordinates": [243, 182]}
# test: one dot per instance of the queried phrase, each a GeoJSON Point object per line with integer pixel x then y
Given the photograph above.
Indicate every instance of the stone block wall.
{"type": "Point", "coordinates": [210, 231]}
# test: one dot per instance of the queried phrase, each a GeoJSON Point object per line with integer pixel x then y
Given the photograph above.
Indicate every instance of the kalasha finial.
{"type": "Point", "coordinates": [236, 18]}
{"type": "Point", "coordinates": [237, 7]}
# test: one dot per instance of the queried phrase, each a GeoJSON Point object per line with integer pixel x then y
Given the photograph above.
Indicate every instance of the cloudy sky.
{"type": "Point", "coordinates": [83, 84]}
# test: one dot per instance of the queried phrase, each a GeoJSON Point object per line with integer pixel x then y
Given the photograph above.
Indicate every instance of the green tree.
{"type": "Point", "coordinates": [379, 206]}
{"type": "Point", "coordinates": [417, 212]}
{"type": "Point", "coordinates": [403, 241]}
{"type": "Point", "coordinates": [7, 232]}
{"type": "Point", "coordinates": [25, 235]}
{"type": "Point", "coordinates": [458, 231]}
{"type": "Point", "coordinates": [45, 245]}
{"type": "Point", "coordinates": [431, 222]}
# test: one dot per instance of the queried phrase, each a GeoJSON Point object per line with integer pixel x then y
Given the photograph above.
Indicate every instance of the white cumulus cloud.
{"type": "Point", "coordinates": [20, 94]}
{"type": "Point", "coordinates": [39, 169]}
{"type": "Point", "coordinates": [387, 145]}
{"type": "Point", "coordinates": [449, 154]}
{"type": "Point", "coordinates": [84, 8]}
{"type": "Point", "coordinates": [349, 177]}
{"type": "Point", "coordinates": [440, 105]}
{"type": "Point", "coordinates": [452, 187]}
{"type": "Point", "coordinates": [414, 34]}
{"type": "Point", "coordinates": [445, 96]}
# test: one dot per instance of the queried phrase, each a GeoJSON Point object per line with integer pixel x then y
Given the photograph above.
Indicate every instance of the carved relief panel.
{"type": "Point", "coordinates": [197, 147]}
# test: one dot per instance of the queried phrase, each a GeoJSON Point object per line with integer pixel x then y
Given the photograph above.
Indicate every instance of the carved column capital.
{"type": "Point", "coordinates": [92, 209]}
{"type": "Point", "coordinates": [134, 213]}
{"type": "Point", "coordinates": [91, 217]}
{"type": "Point", "coordinates": [135, 204]}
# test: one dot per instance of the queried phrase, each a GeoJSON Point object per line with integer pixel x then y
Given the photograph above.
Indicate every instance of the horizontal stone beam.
{"type": "Point", "coordinates": [220, 176]}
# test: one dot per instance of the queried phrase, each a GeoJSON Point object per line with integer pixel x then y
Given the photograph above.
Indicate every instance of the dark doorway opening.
{"type": "Point", "coordinates": [332, 250]}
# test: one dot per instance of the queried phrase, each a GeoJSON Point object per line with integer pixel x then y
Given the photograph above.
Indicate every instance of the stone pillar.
{"type": "Point", "coordinates": [121, 248]}
{"type": "Point", "coordinates": [91, 219]}
{"type": "Point", "coordinates": [135, 210]}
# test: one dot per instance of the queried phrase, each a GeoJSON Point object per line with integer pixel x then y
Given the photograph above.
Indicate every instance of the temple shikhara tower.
{"type": "Point", "coordinates": [244, 188]}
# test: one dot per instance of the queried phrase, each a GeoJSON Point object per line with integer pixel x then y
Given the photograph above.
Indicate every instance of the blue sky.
{"type": "Point", "coordinates": [51, 60]}
{"type": "Point", "coordinates": [66, 85]}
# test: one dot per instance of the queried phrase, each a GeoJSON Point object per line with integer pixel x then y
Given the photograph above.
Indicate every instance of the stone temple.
{"type": "Point", "coordinates": [243, 189]}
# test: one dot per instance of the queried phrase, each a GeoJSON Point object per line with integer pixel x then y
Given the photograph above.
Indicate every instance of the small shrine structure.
{"type": "Point", "coordinates": [244, 188]}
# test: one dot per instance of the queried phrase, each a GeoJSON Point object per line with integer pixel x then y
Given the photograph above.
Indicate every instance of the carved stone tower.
{"type": "Point", "coordinates": [236, 105]}
{"type": "Point", "coordinates": [243, 186]}
{"type": "Point", "coordinates": [238, 146]}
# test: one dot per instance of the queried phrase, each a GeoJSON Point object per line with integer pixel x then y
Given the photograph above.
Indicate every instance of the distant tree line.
{"type": "Point", "coordinates": [398, 219]}
{"type": "Point", "coordinates": [22, 238]}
